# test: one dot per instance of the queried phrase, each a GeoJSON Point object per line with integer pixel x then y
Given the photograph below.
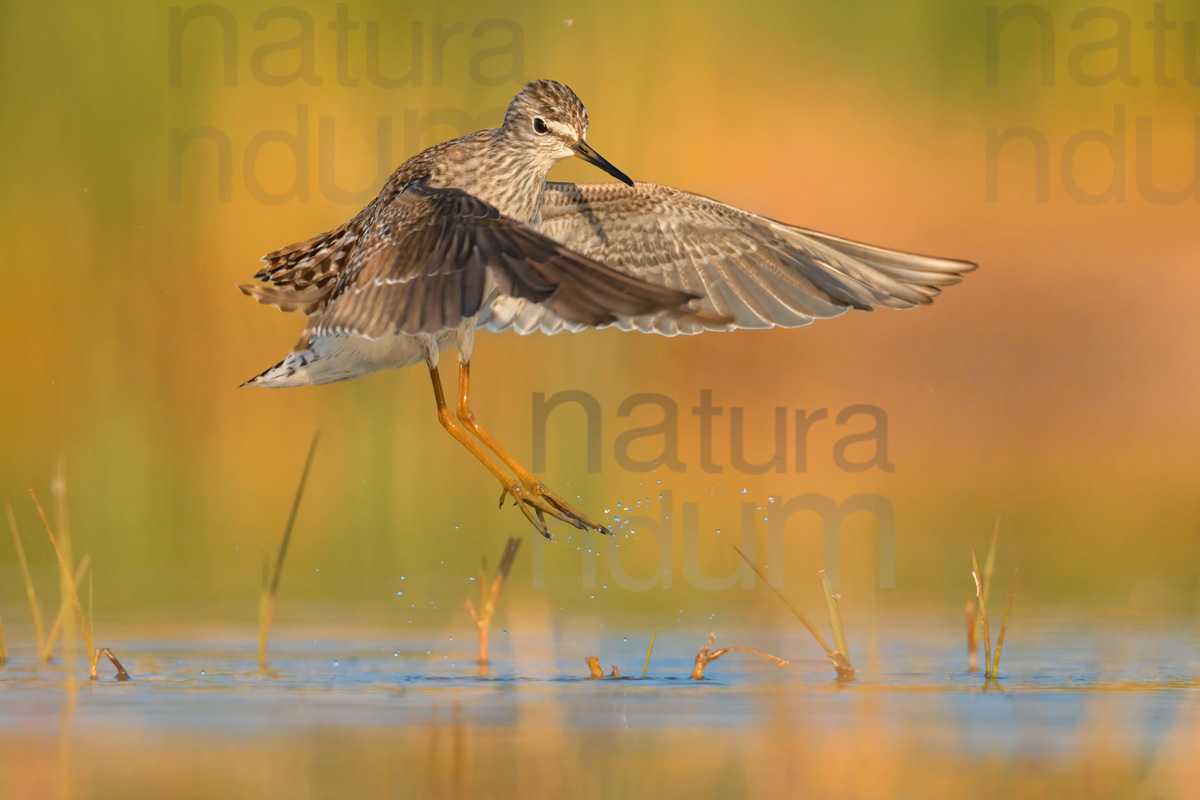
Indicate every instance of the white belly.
{"type": "Point", "coordinates": [330, 359]}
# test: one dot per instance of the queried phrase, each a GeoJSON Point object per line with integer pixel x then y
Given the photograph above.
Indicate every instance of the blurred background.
{"type": "Point", "coordinates": [154, 152]}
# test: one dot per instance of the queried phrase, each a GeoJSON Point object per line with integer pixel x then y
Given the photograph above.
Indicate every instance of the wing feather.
{"type": "Point", "coordinates": [760, 272]}
{"type": "Point", "coordinates": [434, 254]}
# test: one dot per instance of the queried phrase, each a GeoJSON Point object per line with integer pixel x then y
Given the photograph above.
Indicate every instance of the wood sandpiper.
{"type": "Point", "coordinates": [469, 234]}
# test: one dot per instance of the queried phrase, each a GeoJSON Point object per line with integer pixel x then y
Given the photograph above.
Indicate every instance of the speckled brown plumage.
{"type": "Point", "coordinates": [469, 233]}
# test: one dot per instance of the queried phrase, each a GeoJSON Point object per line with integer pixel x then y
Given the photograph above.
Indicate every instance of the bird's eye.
{"type": "Point", "coordinates": [539, 125]}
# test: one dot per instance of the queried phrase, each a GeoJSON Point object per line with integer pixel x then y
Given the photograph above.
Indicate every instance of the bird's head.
{"type": "Point", "coordinates": [547, 119]}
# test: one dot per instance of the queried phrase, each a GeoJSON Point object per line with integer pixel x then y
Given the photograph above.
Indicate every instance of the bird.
{"type": "Point", "coordinates": [471, 235]}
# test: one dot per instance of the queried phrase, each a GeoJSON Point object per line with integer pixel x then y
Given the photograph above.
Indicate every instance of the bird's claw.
{"type": "Point", "coordinates": [536, 501]}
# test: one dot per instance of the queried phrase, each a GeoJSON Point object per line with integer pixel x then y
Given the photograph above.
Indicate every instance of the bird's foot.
{"type": "Point", "coordinates": [535, 501]}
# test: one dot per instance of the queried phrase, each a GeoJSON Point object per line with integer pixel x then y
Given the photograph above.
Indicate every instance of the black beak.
{"type": "Point", "coordinates": [584, 150]}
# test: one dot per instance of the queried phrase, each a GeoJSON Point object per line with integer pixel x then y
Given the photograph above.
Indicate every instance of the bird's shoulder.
{"type": "Point", "coordinates": [437, 165]}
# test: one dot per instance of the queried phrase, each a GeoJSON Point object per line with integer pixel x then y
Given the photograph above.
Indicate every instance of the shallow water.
{"type": "Point", "coordinates": [1065, 690]}
{"type": "Point", "coordinates": [216, 684]}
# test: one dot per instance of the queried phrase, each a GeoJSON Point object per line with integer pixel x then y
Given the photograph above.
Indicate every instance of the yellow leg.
{"type": "Point", "coordinates": [533, 506]}
{"type": "Point", "coordinates": [558, 507]}
{"type": "Point", "coordinates": [451, 425]}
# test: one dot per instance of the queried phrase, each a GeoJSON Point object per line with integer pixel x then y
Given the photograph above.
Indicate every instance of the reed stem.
{"type": "Point", "coordinates": [30, 592]}
{"type": "Point", "coordinates": [649, 650]}
{"type": "Point", "coordinates": [266, 603]}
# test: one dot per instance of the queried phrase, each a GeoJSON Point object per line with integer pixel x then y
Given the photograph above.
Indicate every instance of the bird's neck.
{"type": "Point", "coordinates": [504, 174]}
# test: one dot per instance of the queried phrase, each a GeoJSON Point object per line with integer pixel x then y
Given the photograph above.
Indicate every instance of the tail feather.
{"type": "Point", "coordinates": [319, 359]}
{"type": "Point", "coordinates": [301, 276]}
{"type": "Point", "coordinates": [308, 300]}
{"type": "Point", "coordinates": [291, 371]}
{"type": "Point", "coordinates": [315, 261]}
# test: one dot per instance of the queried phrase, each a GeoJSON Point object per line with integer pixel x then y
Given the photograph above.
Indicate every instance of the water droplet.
{"type": "Point", "coordinates": [403, 578]}
{"type": "Point", "coordinates": [201, 672]}
{"type": "Point", "coordinates": [399, 594]}
{"type": "Point", "coordinates": [625, 639]}
{"type": "Point", "coordinates": [471, 578]}
{"type": "Point", "coordinates": [335, 662]}
{"type": "Point", "coordinates": [504, 632]}
{"type": "Point", "coordinates": [452, 638]}
{"type": "Point", "coordinates": [745, 490]}
{"type": "Point", "coordinates": [396, 654]}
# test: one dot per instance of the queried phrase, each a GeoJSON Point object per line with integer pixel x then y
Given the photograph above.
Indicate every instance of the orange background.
{"type": "Point", "coordinates": [1058, 386]}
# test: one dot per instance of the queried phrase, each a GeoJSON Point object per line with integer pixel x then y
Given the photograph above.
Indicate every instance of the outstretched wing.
{"type": "Point", "coordinates": [759, 272]}
{"type": "Point", "coordinates": [429, 258]}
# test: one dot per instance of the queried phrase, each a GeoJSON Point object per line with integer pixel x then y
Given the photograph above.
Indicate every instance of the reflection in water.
{"type": "Point", "coordinates": [365, 718]}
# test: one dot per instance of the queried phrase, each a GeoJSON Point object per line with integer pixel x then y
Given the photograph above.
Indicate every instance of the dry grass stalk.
{"type": "Point", "coordinates": [1012, 592]}
{"type": "Point", "coordinates": [270, 589]}
{"type": "Point", "coordinates": [66, 587]}
{"type": "Point", "coordinates": [972, 640]}
{"type": "Point", "coordinates": [52, 636]}
{"type": "Point", "coordinates": [58, 487]}
{"type": "Point", "coordinates": [704, 656]}
{"type": "Point", "coordinates": [3, 647]}
{"type": "Point", "coordinates": [988, 566]}
{"type": "Point", "coordinates": [649, 650]}
{"type": "Point", "coordinates": [488, 595]}
{"type": "Point", "coordinates": [594, 671]}
{"type": "Point", "coordinates": [94, 657]}
{"type": "Point", "coordinates": [122, 675]}
{"type": "Point", "coordinates": [840, 660]}
{"type": "Point", "coordinates": [30, 592]}
{"type": "Point", "coordinates": [989, 563]}
{"type": "Point", "coordinates": [979, 595]}
{"type": "Point", "coordinates": [67, 581]}
{"type": "Point", "coordinates": [835, 616]}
